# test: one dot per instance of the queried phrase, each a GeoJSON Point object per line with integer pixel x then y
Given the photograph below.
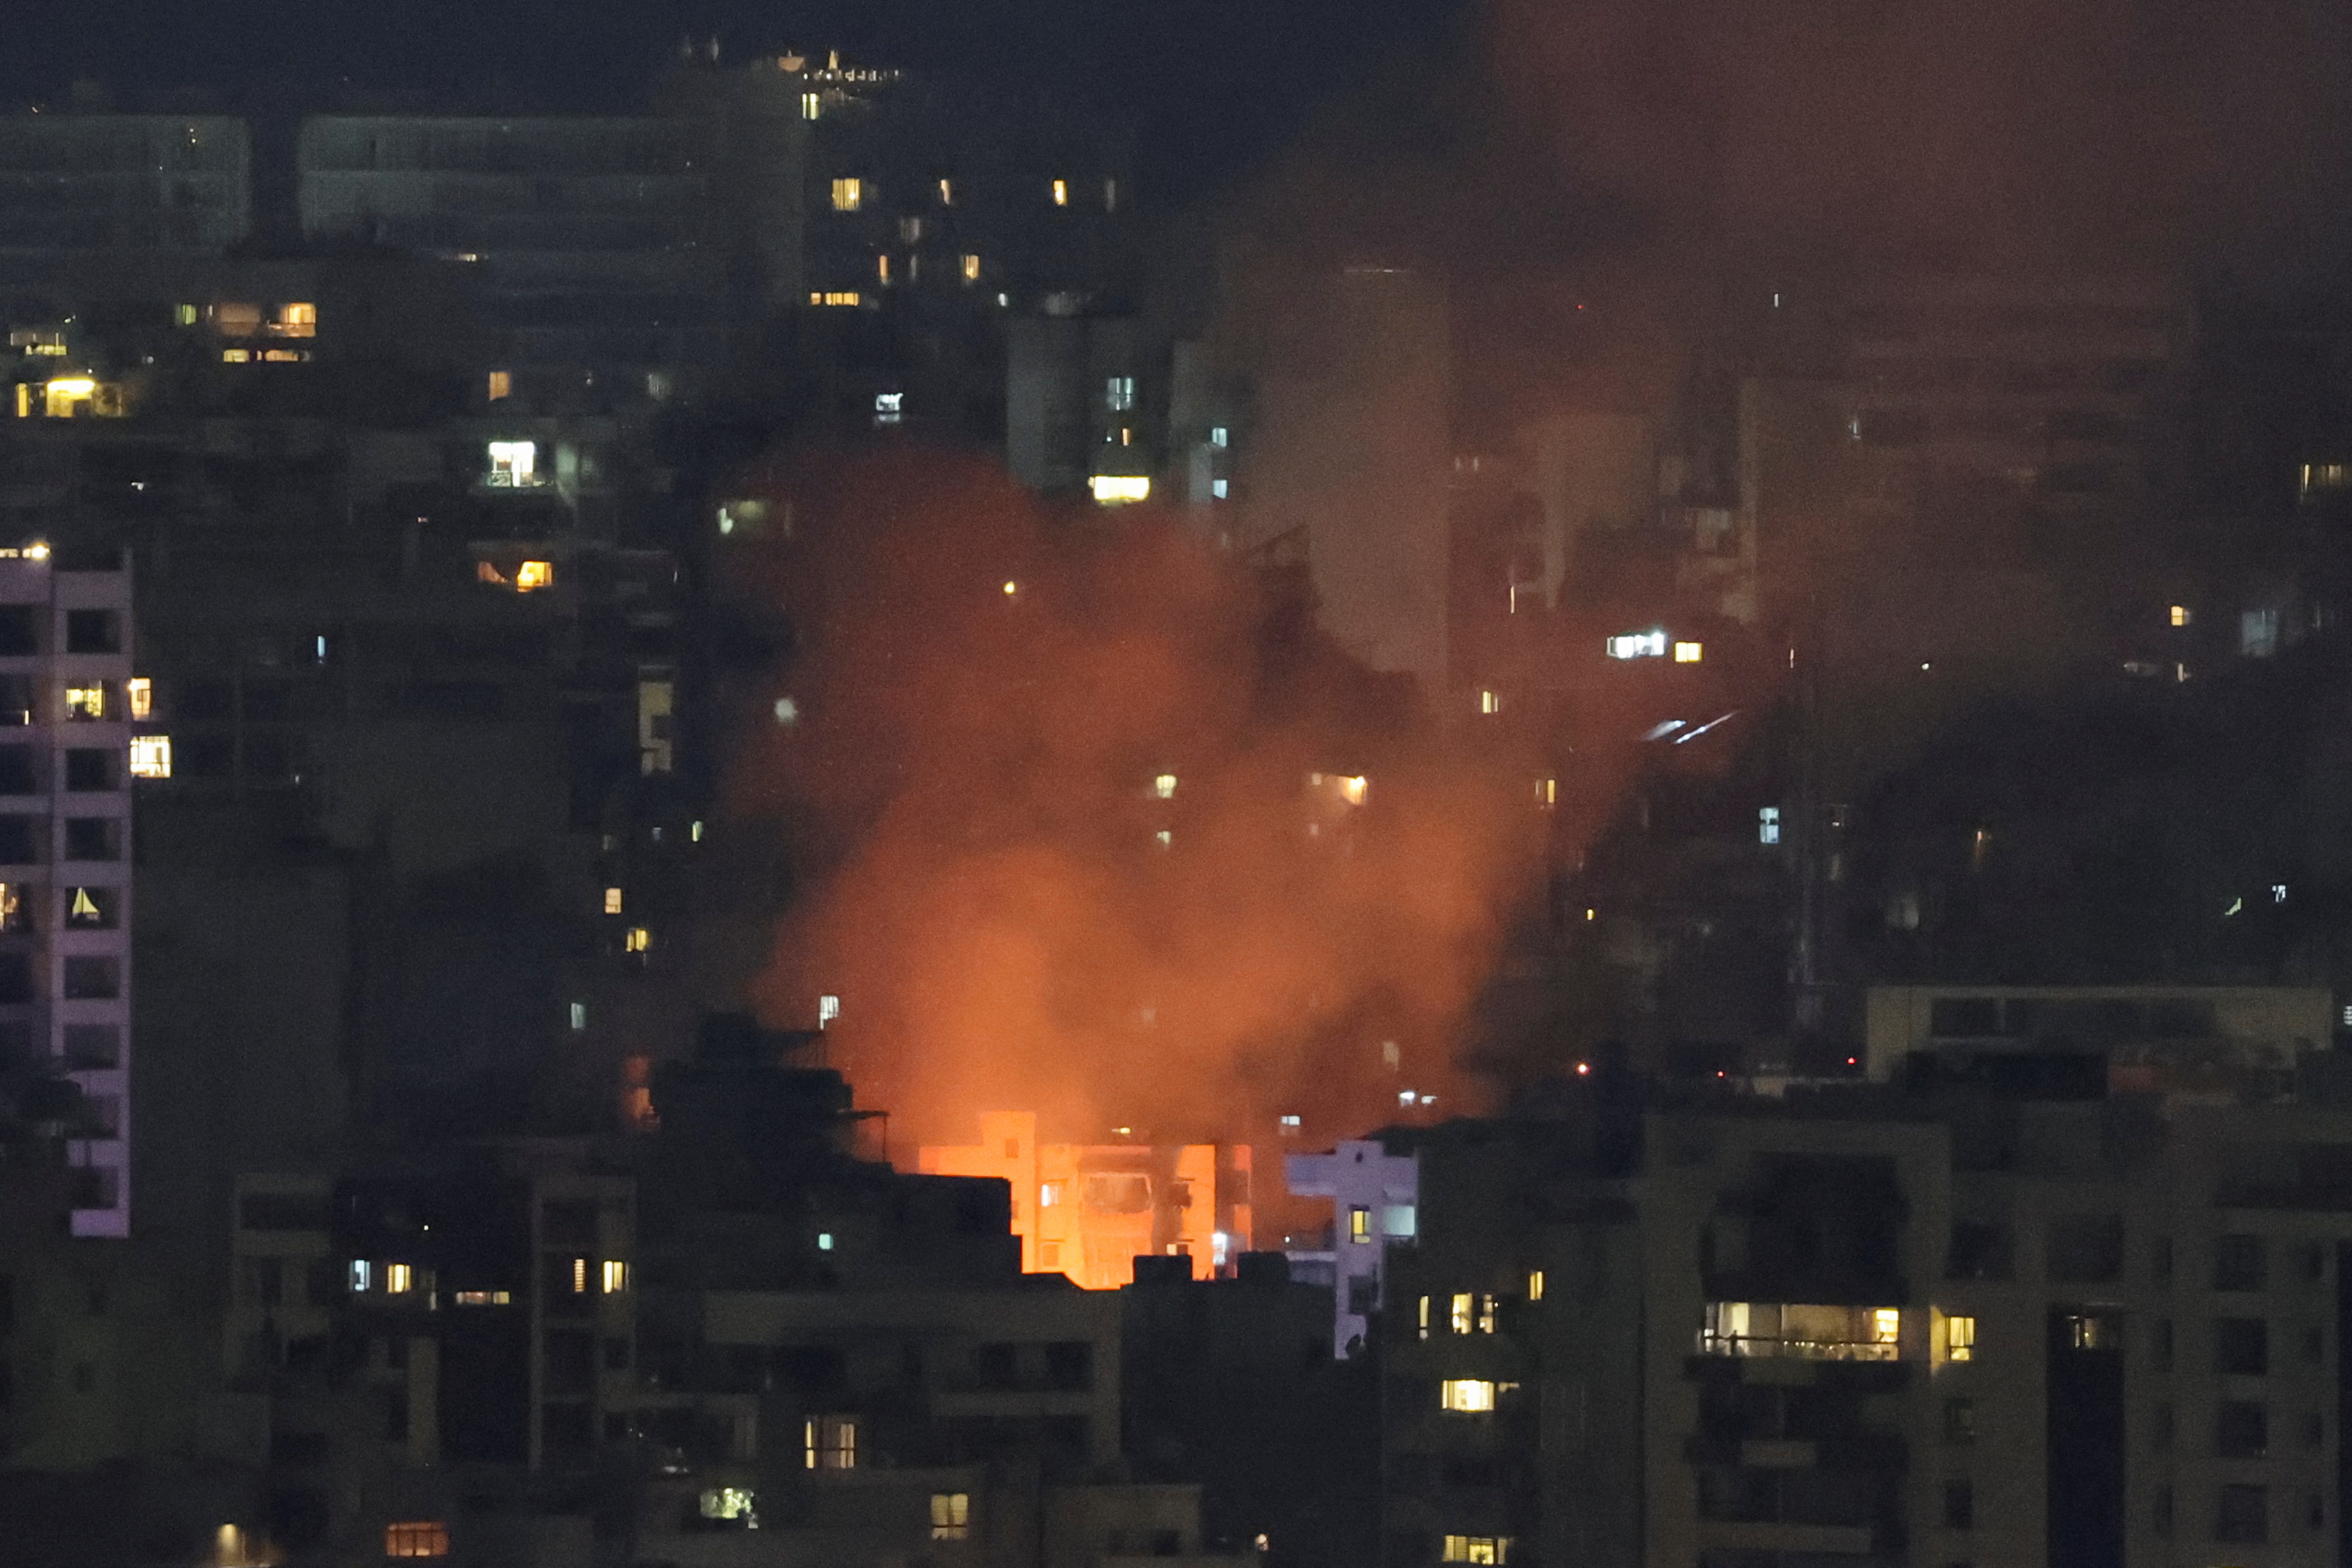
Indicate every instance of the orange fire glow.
{"type": "Point", "coordinates": [1118, 847]}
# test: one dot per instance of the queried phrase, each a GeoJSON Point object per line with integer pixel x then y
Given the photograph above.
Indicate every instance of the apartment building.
{"type": "Point", "coordinates": [1876, 1331]}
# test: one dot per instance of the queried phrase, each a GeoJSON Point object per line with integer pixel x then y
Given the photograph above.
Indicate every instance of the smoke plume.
{"type": "Point", "coordinates": [1082, 800]}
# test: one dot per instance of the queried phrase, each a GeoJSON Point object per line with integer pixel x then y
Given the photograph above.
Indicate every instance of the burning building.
{"type": "Point", "coordinates": [1090, 1210]}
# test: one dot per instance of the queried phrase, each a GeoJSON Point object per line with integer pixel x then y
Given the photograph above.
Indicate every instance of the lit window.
{"type": "Point", "coordinates": [1218, 488]}
{"type": "Point", "coordinates": [1768, 825]}
{"type": "Point", "coordinates": [1534, 1284]}
{"type": "Point", "coordinates": [1112, 489]}
{"type": "Point", "coordinates": [483, 1298]}
{"type": "Point", "coordinates": [1690, 652]}
{"type": "Point", "coordinates": [150, 756]}
{"type": "Point", "coordinates": [1460, 1321]}
{"type": "Point", "coordinates": [1118, 394]}
{"type": "Point", "coordinates": [502, 385]}
{"type": "Point", "coordinates": [140, 692]}
{"type": "Point", "coordinates": [727, 1503]}
{"type": "Point", "coordinates": [811, 106]}
{"type": "Point", "coordinates": [1960, 1339]}
{"type": "Point", "coordinates": [970, 267]}
{"type": "Point", "coordinates": [1489, 1550]}
{"type": "Point", "coordinates": [1421, 1325]}
{"type": "Point", "coordinates": [362, 1274]}
{"type": "Point", "coordinates": [848, 194]}
{"type": "Point", "coordinates": [1061, 193]}
{"type": "Point", "coordinates": [847, 297]}
{"type": "Point", "coordinates": [1164, 838]}
{"type": "Point", "coordinates": [183, 315]}
{"type": "Point", "coordinates": [616, 1276]}
{"type": "Point", "coordinates": [1486, 1314]}
{"type": "Point", "coordinates": [1490, 702]}
{"type": "Point", "coordinates": [882, 269]}
{"type": "Point", "coordinates": [84, 908]}
{"type": "Point", "coordinates": [612, 901]}
{"type": "Point", "coordinates": [2325, 477]}
{"type": "Point", "coordinates": [950, 1511]}
{"type": "Point", "coordinates": [2182, 614]}
{"type": "Point", "coordinates": [68, 395]}
{"type": "Point", "coordinates": [579, 1016]}
{"type": "Point", "coordinates": [1359, 1224]}
{"type": "Point", "coordinates": [1638, 645]}
{"type": "Point", "coordinates": [533, 575]}
{"type": "Point", "coordinates": [825, 1241]}
{"type": "Point", "coordinates": [1547, 792]}
{"type": "Point", "coordinates": [295, 321]}
{"type": "Point", "coordinates": [86, 701]}
{"type": "Point", "coordinates": [1466, 1394]}
{"type": "Point", "coordinates": [1164, 786]}
{"type": "Point", "coordinates": [580, 1276]}
{"type": "Point", "coordinates": [947, 194]}
{"type": "Point", "coordinates": [1049, 1195]}
{"type": "Point", "coordinates": [514, 465]}
{"type": "Point", "coordinates": [1801, 1332]}
{"type": "Point", "coordinates": [421, 1539]}
{"type": "Point", "coordinates": [1110, 195]}
{"type": "Point", "coordinates": [2258, 632]}
{"type": "Point", "coordinates": [639, 939]}
{"type": "Point", "coordinates": [830, 1443]}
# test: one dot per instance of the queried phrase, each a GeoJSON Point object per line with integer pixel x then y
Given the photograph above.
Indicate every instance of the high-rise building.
{"type": "Point", "coordinates": [67, 689]}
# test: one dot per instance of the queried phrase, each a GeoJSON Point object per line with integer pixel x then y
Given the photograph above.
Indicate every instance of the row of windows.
{"type": "Point", "coordinates": [851, 193]}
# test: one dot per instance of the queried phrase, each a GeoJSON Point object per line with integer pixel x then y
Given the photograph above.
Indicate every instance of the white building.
{"type": "Point", "coordinates": [1375, 1203]}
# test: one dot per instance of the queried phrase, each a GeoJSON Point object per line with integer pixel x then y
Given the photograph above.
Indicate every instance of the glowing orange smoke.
{"type": "Point", "coordinates": [1065, 853]}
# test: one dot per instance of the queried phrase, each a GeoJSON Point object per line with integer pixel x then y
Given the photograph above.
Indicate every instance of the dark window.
{"type": "Point", "coordinates": [570, 1362]}
{"type": "Point", "coordinates": [1980, 1251]}
{"type": "Point", "coordinates": [1070, 1364]}
{"type": "Point", "coordinates": [567, 1428]}
{"type": "Point", "coordinates": [92, 978]}
{"type": "Point", "coordinates": [2242, 1430]}
{"type": "Point", "coordinates": [1959, 1504]}
{"type": "Point", "coordinates": [15, 699]}
{"type": "Point", "coordinates": [203, 756]}
{"type": "Point", "coordinates": [16, 977]}
{"type": "Point", "coordinates": [16, 772]}
{"type": "Point", "coordinates": [20, 631]}
{"type": "Point", "coordinates": [93, 839]}
{"type": "Point", "coordinates": [93, 631]}
{"type": "Point", "coordinates": [2086, 1249]}
{"type": "Point", "coordinates": [89, 768]}
{"type": "Point", "coordinates": [616, 1355]}
{"type": "Point", "coordinates": [2239, 1263]}
{"type": "Point", "coordinates": [396, 1352]}
{"type": "Point", "coordinates": [568, 1222]}
{"type": "Point", "coordinates": [1363, 1293]}
{"type": "Point", "coordinates": [992, 1366]}
{"type": "Point", "coordinates": [20, 843]}
{"type": "Point", "coordinates": [2310, 1263]}
{"type": "Point", "coordinates": [2241, 1515]}
{"type": "Point", "coordinates": [395, 1415]}
{"type": "Point", "coordinates": [2241, 1346]}
{"type": "Point", "coordinates": [1960, 1421]}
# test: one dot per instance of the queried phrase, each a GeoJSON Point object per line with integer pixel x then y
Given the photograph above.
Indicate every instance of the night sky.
{"type": "Point", "coordinates": [1216, 84]}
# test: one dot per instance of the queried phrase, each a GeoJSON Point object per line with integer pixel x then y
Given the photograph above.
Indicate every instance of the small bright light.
{"type": "Point", "coordinates": [1406, 1096]}
{"type": "Point", "coordinates": [1164, 838]}
{"type": "Point", "coordinates": [2180, 615]}
{"type": "Point", "coordinates": [1352, 790]}
{"type": "Point", "coordinates": [1164, 786]}
{"type": "Point", "coordinates": [1490, 702]}
{"type": "Point", "coordinates": [828, 1008]}
{"type": "Point", "coordinates": [72, 386]}
{"type": "Point", "coordinates": [1292, 1120]}
{"type": "Point", "coordinates": [825, 1241]}
{"type": "Point", "coordinates": [612, 901]}
{"type": "Point", "coordinates": [1638, 645]}
{"type": "Point", "coordinates": [1010, 588]}
{"type": "Point", "coordinates": [1688, 652]}
{"type": "Point", "coordinates": [36, 550]}
{"type": "Point", "coordinates": [695, 833]}
{"type": "Point", "coordinates": [1116, 489]}
{"type": "Point", "coordinates": [579, 1016]}
{"type": "Point", "coordinates": [1583, 1069]}
{"type": "Point", "coordinates": [533, 575]}
{"type": "Point", "coordinates": [514, 463]}
{"type": "Point", "coordinates": [2278, 893]}
{"type": "Point", "coordinates": [150, 756]}
{"type": "Point", "coordinates": [787, 710]}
